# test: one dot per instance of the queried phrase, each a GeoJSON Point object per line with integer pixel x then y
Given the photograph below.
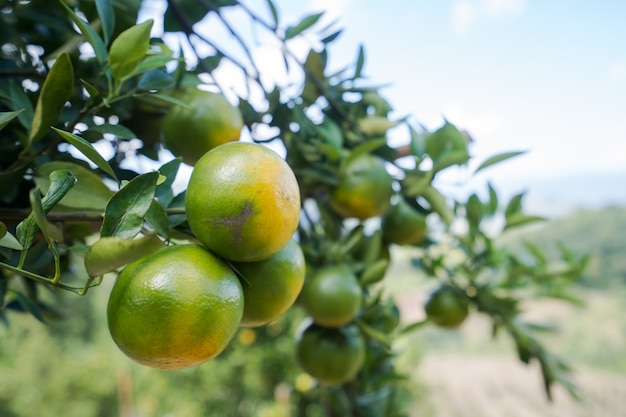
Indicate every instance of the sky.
{"type": "Point", "coordinates": [544, 76]}
{"type": "Point", "coordinates": [548, 77]}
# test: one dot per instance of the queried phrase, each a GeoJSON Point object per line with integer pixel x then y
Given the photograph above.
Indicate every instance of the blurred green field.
{"type": "Point", "coordinates": [72, 368]}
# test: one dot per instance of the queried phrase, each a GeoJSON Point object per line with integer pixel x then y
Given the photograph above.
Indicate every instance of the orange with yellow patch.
{"type": "Point", "coordinates": [243, 201]}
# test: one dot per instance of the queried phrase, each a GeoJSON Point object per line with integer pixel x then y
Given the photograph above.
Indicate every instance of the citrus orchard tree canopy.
{"type": "Point", "coordinates": [88, 96]}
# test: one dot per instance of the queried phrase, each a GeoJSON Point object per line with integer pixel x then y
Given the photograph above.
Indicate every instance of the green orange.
{"type": "Point", "coordinates": [207, 120]}
{"type": "Point", "coordinates": [403, 224]}
{"type": "Point", "coordinates": [333, 356]}
{"type": "Point", "coordinates": [447, 306]}
{"type": "Point", "coordinates": [271, 286]}
{"type": "Point", "coordinates": [364, 189]}
{"type": "Point", "coordinates": [243, 201]}
{"type": "Point", "coordinates": [175, 308]}
{"type": "Point", "coordinates": [332, 296]}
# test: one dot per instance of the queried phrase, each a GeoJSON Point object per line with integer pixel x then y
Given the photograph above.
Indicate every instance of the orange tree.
{"type": "Point", "coordinates": [84, 89]}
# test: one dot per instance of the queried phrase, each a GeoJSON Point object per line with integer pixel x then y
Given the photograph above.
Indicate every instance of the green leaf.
{"type": "Point", "coordinates": [418, 143]}
{"type": "Point", "coordinates": [89, 33]}
{"type": "Point", "coordinates": [415, 182]}
{"type": "Point", "coordinates": [519, 219]}
{"type": "Point", "coordinates": [29, 305]}
{"type": "Point", "coordinates": [166, 99]}
{"type": "Point", "coordinates": [445, 141]}
{"type": "Point", "coordinates": [328, 39]}
{"type": "Point", "coordinates": [55, 92]}
{"type": "Point", "coordinates": [474, 210]}
{"type": "Point", "coordinates": [118, 130]}
{"type": "Point", "coordinates": [89, 193]}
{"type": "Point", "coordinates": [274, 12]}
{"type": "Point", "coordinates": [366, 147]}
{"type": "Point", "coordinates": [492, 206]}
{"type": "Point", "coordinates": [91, 90]}
{"type": "Point", "coordinates": [375, 272]}
{"type": "Point", "coordinates": [125, 213]}
{"type": "Point", "coordinates": [497, 159]}
{"type": "Point", "coordinates": [438, 204]}
{"type": "Point", "coordinates": [164, 193]}
{"type": "Point", "coordinates": [50, 232]}
{"type": "Point", "coordinates": [157, 218]}
{"type": "Point", "coordinates": [360, 61]}
{"type": "Point", "coordinates": [515, 205]}
{"type": "Point", "coordinates": [107, 18]}
{"type": "Point", "coordinates": [376, 125]}
{"type": "Point", "coordinates": [3, 229]}
{"type": "Point", "coordinates": [314, 75]}
{"type": "Point", "coordinates": [447, 159]}
{"type": "Point", "coordinates": [307, 22]}
{"type": "Point", "coordinates": [150, 63]}
{"type": "Point", "coordinates": [7, 116]}
{"type": "Point", "coordinates": [110, 253]}
{"type": "Point", "coordinates": [9, 241]}
{"type": "Point", "coordinates": [60, 183]}
{"type": "Point", "coordinates": [413, 326]}
{"type": "Point", "coordinates": [372, 333]}
{"type": "Point", "coordinates": [129, 48]}
{"type": "Point", "coordinates": [21, 102]}
{"type": "Point", "coordinates": [88, 150]}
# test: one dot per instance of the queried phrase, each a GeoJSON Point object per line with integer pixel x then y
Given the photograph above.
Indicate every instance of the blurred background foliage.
{"type": "Point", "coordinates": [71, 367]}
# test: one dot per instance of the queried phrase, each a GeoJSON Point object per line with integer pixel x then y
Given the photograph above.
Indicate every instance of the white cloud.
{"type": "Point", "coordinates": [467, 13]}
{"type": "Point", "coordinates": [464, 15]}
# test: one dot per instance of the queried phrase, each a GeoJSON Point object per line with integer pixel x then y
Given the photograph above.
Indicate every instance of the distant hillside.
{"type": "Point", "coordinates": [600, 232]}
{"type": "Point", "coordinates": [558, 196]}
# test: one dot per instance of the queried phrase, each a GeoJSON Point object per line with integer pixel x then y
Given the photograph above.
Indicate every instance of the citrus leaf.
{"type": "Point", "coordinates": [515, 205]}
{"type": "Point", "coordinates": [128, 49]}
{"type": "Point", "coordinates": [375, 272]}
{"type": "Point", "coordinates": [360, 61]}
{"type": "Point", "coordinates": [118, 130]}
{"type": "Point", "coordinates": [28, 305]}
{"type": "Point", "coordinates": [519, 219]}
{"type": "Point", "coordinates": [307, 22]}
{"type": "Point", "coordinates": [110, 253]}
{"type": "Point", "coordinates": [51, 232]}
{"type": "Point", "coordinates": [61, 182]}
{"type": "Point", "coordinates": [125, 213]}
{"type": "Point", "coordinates": [413, 326]}
{"type": "Point", "coordinates": [331, 37]}
{"type": "Point", "coordinates": [89, 33]}
{"type": "Point", "coordinates": [492, 206]}
{"type": "Point", "coordinates": [376, 125]}
{"type": "Point", "coordinates": [372, 333]}
{"type": "Point", "coordinates": [88, 150]}
{"type": "Point", "coordinates": [274, 12]}
{"type": "Point", "coordinates": [89, 193]}
{"type": "Point", "coordinates": [9, 241]}
{"type": "Point", "coordinates": [55, 92]}
{"type": "Point", "coordinates": [91, 90]}
{"type": "Point", "coordinates": [498, 158]}
{"type": "Point", "coordinates": [20, 101]}
{"type": "Point", "coordinates": [167, 99]}
{"type": "Point", "coordinates": [151, 62]}
{"type": "Point", "coordinates": [164, 193]}
{"type": "Point", "coordinates": [7, 116]}
{"type": "Point", "coordinates": [157, 218]}
{"type": "Point", "coordinates": [107, 18]}
{"type": "Point", "coordinates": [438, 204]}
